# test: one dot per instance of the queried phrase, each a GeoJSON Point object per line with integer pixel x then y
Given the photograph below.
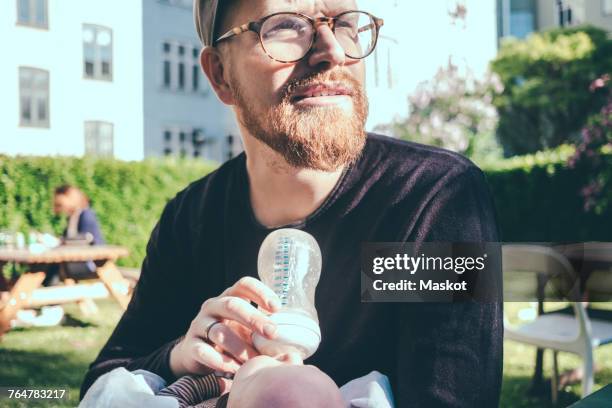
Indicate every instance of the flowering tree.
{"type": "Point", "coordinates": [453, 111]}
{"type": "Point", "coordinates": [595, 145]}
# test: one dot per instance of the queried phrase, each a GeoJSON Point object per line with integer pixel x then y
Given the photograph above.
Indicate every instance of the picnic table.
{"type": "Point", "coordinates": [26, 291]}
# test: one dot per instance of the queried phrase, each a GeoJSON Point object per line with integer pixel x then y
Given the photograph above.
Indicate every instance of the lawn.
{"type": "Point", "coordinates": [58, 357]}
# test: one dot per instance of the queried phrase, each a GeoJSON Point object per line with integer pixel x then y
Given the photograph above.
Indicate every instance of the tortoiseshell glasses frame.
{"type": "Point", "coordinates": [373, 23]}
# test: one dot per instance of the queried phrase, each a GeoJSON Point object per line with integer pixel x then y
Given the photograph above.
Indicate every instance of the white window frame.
{"type": "Point", "coordinates": [92, 129]}
{"type": "Point", "coordinates": [97, 60]}
{"type": "Point", "coordinates": [35, 95]}
{"type": "Point", "coordinates": [32, 12]}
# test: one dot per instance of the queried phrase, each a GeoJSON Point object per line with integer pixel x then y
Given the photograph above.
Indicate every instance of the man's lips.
{"type": "Point", "coordinates": [319, 91]}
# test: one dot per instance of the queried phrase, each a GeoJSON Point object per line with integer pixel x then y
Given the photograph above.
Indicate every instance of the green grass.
{"type": "Point", "coordinates": [55, 357]}
{"type": "Point", "coordinates": [58, 357]}
{"type": "Point", "coordinates": [519, 360]}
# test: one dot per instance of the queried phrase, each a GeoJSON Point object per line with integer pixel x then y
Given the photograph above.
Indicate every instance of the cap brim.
{"type": "Point", "coordinates": [205, 18]}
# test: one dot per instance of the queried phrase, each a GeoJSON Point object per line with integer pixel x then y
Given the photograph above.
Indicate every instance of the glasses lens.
{"type": "Point", "coordinates": [286, 37]}
{"type": "Point", "coordinates": [356, 32]}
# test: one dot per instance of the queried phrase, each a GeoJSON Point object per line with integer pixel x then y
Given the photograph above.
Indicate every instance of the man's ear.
{"type": "Point", "coordinates": [212, 64]}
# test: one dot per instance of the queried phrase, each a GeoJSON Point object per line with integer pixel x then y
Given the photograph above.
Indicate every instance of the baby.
{"type": "Point", "coordinates": [262, 382]}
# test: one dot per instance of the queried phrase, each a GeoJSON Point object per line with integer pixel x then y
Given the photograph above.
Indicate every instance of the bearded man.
{"type": "Point", "coordinates": [293, 72]}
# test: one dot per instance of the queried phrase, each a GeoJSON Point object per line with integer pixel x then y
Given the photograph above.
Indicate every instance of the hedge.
{"type": "Point", "coordinates": [537, 196]}
{"type": "Point", "coordinates": [128, 197]}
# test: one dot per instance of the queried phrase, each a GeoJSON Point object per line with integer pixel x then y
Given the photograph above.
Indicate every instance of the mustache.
{"type": "Point", "coordinates": [339, 77]}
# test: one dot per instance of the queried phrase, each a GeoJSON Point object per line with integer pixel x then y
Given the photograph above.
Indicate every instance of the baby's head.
{"type": "Point", "coordinates": [266, 382]}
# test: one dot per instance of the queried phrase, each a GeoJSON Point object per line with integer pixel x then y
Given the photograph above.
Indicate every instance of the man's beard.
{"type": "Point", "coordinates": [319, 138]}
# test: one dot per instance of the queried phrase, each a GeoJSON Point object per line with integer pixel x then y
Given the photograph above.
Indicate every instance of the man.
{"type": "Point", "coordinates": [82, 223]}
{"type": "Point", "coordinates": [295, 82]}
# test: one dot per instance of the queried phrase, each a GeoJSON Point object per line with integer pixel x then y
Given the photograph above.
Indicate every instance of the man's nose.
{"type": "Point", "coordinates": [326, 50]}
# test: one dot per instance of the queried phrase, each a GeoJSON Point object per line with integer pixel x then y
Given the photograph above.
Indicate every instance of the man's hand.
{"type": "Point", "coordinates": [229, 342]}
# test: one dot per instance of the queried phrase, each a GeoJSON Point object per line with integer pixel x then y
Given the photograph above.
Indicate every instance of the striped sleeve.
{"type": "Point", "coordinates": [193, 390]}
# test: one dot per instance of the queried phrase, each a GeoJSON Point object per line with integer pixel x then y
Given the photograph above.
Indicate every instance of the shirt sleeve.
{"type": "Point", "coordinates": [157, 315]}
{"type": "Point", "coordinates": [88, 223]}
{"type": "Point", "coordinates": [450, 355]}
{"type": "Point", "coordinates": [192, 391]}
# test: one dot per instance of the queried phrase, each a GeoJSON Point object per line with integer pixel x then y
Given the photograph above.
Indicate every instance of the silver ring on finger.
{"type": "Point", "coordinates": [208, 327]}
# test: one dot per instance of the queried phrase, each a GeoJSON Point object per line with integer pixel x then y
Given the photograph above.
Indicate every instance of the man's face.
{"type": "Point", "coordinates": [313, 111]}
{"type": "Point", "coordinates": [64, 204]}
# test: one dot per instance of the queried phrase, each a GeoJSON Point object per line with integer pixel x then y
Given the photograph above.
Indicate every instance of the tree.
{"type": "Point", "coordinates": [453, 111]}
{"type": "Point", "coordinates": [546, 98]}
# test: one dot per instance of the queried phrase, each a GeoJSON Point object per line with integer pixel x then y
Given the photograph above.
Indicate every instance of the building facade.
{"type": "Point", "coordinates": [81, 78]}
{"type": "Point", "coordinates": [72, 78]}
{"type": "Point", "coordinates": [519, 18]}
{"type": "Point", "coordinates": [182, 115]}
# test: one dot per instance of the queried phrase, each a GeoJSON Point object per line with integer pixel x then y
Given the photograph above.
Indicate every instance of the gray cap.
{"type": "Point", "coordinates": [205, 17]}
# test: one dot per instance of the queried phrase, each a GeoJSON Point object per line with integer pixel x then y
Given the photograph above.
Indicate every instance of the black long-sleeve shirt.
{"type": "Point", "coordinates": [208, 237]}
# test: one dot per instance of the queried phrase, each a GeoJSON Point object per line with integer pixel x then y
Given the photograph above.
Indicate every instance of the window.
{"type": "Point", "coordinates": [195, 70]}
{"type": "Point", "coordinates": [522, 18]}
{"type": "Point", "coordinates": [181, 67]}
{"type": "Point", "coordinates": [183, 145]}
{"type": "Point", "coordinates": [32, 13]}
{"type": "Point", "coordinates": [97, 52]}
{"type": "Point", "coordinates": [517, 18]}
{"type": "Point", "coordinates": [565, 15]}
{"type": "Point", "coordinates": [606, 6]}
{"type": "Point", "coordinates": [167, 65]}
{"type": "Point", "coordinates": [195, 78]}
{"type": "Point", "coordinates": [33, 97]}
{"type": "Point", "coordinates": [99, 139]}
{"type": "Point", "coordinates": [188, 142]}
{"type": "Point", "coordinates": [181, 76]}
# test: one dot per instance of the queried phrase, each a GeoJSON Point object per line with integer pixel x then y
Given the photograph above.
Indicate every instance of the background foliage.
{"type": "Point", "coordinates": [453, 110]}
{"type": "Point", "coordinates": [537, 196]}
{"type": "Point", "coordinates": [590, 154]}
{"type": "Point", "coordinates": [546, 98]}
{"type": "Point", "coordinates": [128, 197]}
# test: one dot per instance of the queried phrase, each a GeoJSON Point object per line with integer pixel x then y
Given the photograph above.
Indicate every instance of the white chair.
{"type": "Point", "coordinates": [577, 334]}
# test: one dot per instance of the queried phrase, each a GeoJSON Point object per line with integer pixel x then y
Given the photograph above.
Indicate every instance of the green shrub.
{"type": "Point", "coordinates": [128, 197]}
{"type": "Point", "coordinates": [538, 198]}
{"type": "Point", "coordinates": [546, 98]}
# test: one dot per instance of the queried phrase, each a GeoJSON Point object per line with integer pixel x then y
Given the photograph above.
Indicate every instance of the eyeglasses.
{"type": "Point", "coordinates": [287, 37]}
